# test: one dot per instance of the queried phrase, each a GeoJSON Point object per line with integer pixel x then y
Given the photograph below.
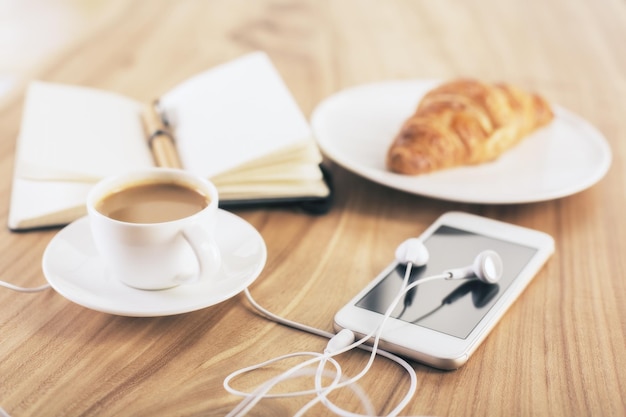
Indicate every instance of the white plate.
{"type": "Point", "coordinates": [355, 127]}
{"type": "Point", "coordinates": [72, 267]}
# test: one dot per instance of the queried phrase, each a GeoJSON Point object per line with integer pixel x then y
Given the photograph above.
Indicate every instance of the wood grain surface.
{"type": "Point", "coordinates": [560, 349]}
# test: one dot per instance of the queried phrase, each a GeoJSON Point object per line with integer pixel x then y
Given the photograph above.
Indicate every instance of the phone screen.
{"type": "Point", "coordinates": [450, 307]}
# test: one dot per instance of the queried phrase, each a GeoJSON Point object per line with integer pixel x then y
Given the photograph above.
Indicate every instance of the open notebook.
{"type": "Point", "coordinates": [236, 124]}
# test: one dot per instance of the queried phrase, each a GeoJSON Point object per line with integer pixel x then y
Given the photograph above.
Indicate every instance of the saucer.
{"type": "Point", "coordinates": [72, 267]}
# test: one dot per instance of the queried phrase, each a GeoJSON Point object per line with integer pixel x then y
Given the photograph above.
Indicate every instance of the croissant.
{"type": "Point", "coordinates": [465, 122]}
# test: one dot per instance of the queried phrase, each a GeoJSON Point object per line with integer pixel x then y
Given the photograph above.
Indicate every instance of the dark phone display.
{"type": "Point", "coordinates": [451, 307]}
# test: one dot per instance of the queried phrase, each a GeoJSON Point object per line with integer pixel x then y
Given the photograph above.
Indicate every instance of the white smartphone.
{"type": "Point", "coordinates": [441, 323]}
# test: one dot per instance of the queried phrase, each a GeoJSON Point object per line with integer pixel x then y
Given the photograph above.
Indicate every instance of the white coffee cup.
{"type": "Point", "coordinates": [155, 253]}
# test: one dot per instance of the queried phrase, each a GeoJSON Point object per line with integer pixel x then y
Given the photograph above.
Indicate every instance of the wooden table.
{"type": "Point", "coordinates": [560, 350]}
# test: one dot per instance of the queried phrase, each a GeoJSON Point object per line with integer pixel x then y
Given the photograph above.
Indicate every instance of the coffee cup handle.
{"type": "Point", "coordinates": [206, 251]}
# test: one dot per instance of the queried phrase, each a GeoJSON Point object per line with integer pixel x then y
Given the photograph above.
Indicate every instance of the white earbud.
{"type": "Point", "coordinates": [413, 251]}
{"type": "Point", "coordinates": [487, 267]}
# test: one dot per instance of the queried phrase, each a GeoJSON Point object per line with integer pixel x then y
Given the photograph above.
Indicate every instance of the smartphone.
{"type": "Point", "coordinates": [441, 323]}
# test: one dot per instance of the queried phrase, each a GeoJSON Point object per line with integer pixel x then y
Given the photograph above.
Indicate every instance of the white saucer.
{"type": "Point", "coordinates": [72, 267]}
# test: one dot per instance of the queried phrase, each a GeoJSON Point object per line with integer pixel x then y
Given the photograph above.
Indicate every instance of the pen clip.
{"type": "Point", "coordinates": [156, 124]}
{"type": "Point", "coordinates": [156, 105]}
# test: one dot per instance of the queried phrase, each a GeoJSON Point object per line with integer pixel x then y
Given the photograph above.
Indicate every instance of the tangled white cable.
{"type": "Point", "coordinates": [338, 344]}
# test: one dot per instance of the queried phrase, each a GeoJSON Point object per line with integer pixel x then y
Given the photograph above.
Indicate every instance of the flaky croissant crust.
{"type": "Point", "coordinates": [465, 122]}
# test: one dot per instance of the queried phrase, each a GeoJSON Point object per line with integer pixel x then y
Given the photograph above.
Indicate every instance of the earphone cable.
{"type": "Point", "coordinates": [24, 289]}
{"type": "Point", "coordinates": [322, 392]}
{"type": "Point", "coordinates": [253, 397]}
{"type": "Point", "coordinates": [281, 320]}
